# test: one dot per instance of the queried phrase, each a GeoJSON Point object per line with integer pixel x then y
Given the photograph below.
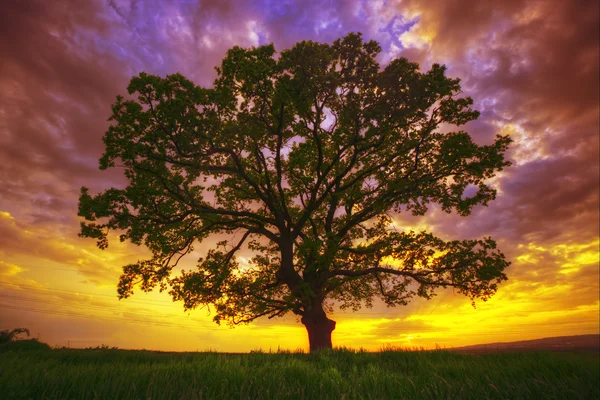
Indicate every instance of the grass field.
{"type": "Point", "coordinates": [40, 373]}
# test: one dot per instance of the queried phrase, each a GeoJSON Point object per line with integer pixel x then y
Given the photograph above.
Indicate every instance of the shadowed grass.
{"type": "Point", "coordinates": [24, 345]}
{"type": "Point", "coordinates": [338, 374]}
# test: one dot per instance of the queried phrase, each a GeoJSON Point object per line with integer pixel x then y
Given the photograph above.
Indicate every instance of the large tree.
{"type": "Point", "coordinates": [302, 157]}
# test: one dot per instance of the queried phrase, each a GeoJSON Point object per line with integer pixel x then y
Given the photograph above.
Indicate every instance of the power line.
{"type": "Point", "coordinates": [96, 317]}
{"type": "Point", "coordinates": [25, 267]}
{"type": "Point", "coordinates": [163, 304]}
{"type": "Point", "coordinates": [151, 303]}
{"type": "Point", "coordinates": [105, 318]}
{"type": "Point", "coordinates": [549, 329]}
{"type": "Point", "coordinates": [90, 307]}
{"type": "Point", "coordinates": [32, 287]}
{"type": "Point", "coordinates": [162, 323]}
{"type": "Point", "coordinates": [167, 324]}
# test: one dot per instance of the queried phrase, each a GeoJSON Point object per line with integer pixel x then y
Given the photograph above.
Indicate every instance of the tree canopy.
{"type": "Point", "coordinates": [303, 157]}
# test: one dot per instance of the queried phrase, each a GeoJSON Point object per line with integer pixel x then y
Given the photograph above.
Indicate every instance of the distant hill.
{"type": "Point", "coordinates": [580, 343]}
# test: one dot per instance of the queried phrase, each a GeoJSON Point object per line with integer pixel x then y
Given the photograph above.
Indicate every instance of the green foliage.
{"type": "Point", "coordinates": [119, 374]}
{"type": "Point", "coordinates": [302, 157]}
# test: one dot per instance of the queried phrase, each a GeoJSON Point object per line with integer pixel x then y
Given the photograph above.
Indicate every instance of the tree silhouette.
{"type": "Point", "coordinates": [10, 335]}
{"type": "Point", "coordinates": [301, 157]}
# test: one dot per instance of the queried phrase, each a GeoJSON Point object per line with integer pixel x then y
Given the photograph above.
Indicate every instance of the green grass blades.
{"type": "Point", "coordinates": [339, 374]}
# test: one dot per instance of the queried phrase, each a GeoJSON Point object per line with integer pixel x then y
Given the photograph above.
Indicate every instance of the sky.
{"type": "Point", "coordinates": [531, 67]}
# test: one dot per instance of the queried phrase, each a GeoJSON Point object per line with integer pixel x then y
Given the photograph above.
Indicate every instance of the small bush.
{"type": "Point", "coordinates": [8, 336]}
{"type": "Point", "coordinates": [102, 347]}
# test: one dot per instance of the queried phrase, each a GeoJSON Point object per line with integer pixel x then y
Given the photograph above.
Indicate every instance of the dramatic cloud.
{"type": "Point", "coordinates": [531, 66]}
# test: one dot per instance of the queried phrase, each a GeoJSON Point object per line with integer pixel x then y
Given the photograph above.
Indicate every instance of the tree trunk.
{"type": "Point", "coordinates": [319, 328]}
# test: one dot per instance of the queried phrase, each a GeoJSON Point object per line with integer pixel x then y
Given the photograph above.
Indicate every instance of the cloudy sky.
{"type": "Point", "coordinates": [531, 67]}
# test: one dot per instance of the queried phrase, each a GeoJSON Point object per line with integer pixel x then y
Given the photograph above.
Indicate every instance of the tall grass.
{"type": "Point", "coordinates": [339, 374]}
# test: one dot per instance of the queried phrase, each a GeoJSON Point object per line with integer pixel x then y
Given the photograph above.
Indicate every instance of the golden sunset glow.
{"type": "Point", "coordinates": [529, 79]}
